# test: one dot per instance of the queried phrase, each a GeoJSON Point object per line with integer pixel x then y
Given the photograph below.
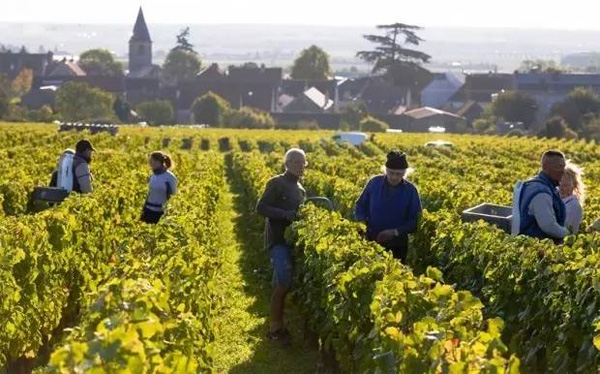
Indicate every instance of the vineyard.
{"type": "Point", "coordinates": [87, 288]}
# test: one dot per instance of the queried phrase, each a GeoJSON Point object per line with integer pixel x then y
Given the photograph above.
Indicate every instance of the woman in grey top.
{"type": "Point", "coordinates": [163, 185]}
{"type": "Point", "coordinates": [572, 192]}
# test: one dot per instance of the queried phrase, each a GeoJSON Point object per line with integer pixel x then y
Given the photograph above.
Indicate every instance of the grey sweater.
{"type": "Point", "coordinates": [282, 197]}
{"type": "Point", "coordinates": [541, 208]}
{"type": "Point", "coordinates": [163, 185]}
{"type": "Point", "coordinates": [83, 175]}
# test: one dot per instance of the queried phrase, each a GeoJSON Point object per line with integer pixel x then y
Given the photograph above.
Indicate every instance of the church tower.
{"type": "Point", "coordinates": [140, 45]}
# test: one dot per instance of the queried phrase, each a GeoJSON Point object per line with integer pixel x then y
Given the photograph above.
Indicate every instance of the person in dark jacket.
{"type": "Point", "coordinates": [82, 176]}
{"type": "Point", "coordinates": [279, 204]}
{"type": "Point", "coordinates": [163, 185]}
{"type": "Point", "coordinates": [390, 206]}
{"type": "Point", "coordinates": [542, 211]}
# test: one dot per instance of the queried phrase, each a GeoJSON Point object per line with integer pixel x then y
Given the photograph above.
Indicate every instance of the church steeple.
{"type": "Point", "coordinates": [140, 45]}
{"type": "Point", "coordinates": [140, 30]}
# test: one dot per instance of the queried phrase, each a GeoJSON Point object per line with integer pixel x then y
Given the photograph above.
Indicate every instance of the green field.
{"type": "Point", "coordinates": [87, 288]}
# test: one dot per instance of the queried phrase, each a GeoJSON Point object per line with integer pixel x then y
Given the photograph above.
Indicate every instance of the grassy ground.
{"type": "Point", "coordinates": [241, 346]}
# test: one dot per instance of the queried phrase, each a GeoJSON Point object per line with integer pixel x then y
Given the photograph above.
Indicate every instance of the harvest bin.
{"type": "Point", "coordinates": [498, 215]}
{"type": "Point", "coordinates": [49, 194]}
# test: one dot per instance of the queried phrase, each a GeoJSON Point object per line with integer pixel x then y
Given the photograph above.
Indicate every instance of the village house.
{"type": "Point", "coordinates": [547, 89]}
{"type": "Point", "coordinates": [442, 87]}
{"type": "Point", "coordinates": [11, 63]}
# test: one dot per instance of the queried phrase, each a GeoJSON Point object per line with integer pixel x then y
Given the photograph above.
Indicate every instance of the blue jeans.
{"type": "Point", "coordinates": [281, 258]}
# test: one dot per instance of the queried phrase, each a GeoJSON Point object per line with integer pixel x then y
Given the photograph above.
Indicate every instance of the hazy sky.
{"type": "Point", "coordinates": [572, 14]}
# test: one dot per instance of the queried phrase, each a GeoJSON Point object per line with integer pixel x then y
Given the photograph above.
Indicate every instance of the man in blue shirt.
{"type": "Point", "coordinates": [390, 206]}
{"type": "Point", "coordinates": [542, 211]}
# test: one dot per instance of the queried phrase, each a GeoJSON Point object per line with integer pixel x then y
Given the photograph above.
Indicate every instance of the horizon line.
{"type": "Point", "coordinates": [275, 24]}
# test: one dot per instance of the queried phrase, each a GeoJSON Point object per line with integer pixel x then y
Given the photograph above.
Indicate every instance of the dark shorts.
{"type": "Point", "coordinates": [150, 216]}
{"type": "Point", "coordinates": [283, 264]}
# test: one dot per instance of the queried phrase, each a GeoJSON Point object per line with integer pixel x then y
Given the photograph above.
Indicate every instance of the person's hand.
{"type": "Point", "coordinates": [290, 215]}
{"type": "Point", "coordinates": [386, 236]}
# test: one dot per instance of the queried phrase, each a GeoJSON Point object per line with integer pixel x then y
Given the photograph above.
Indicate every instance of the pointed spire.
{"type": "Point", "coordinates": [140, 30]}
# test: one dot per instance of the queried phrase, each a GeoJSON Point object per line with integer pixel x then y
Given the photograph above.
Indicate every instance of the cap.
{"type": "Point", "coordinates": [396, 161]}
{"type": "Point", "coordinates": [83, 145]}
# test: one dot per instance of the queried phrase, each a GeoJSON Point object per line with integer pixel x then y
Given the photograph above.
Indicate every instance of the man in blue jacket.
{"type": "Point", "coordinates": [390, 206]}
{"type": "Point", "coordinates": [542, 211]}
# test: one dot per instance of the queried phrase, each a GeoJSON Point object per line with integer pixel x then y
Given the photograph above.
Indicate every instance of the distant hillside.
{"type": "Point", "coordinates": [479, 49]}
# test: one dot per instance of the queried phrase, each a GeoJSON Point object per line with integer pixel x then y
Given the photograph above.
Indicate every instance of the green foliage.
{"type": "Point", "coordinates": [353, 114]}
{"type": "Point", "coordinates": [183, 41]}
{"type": "Point", "coordinates": [303, 124]}
{"type": "Point", "coordinates": [580, 103]}
{"type": "Point", "coordinates": [372, 124]}
{"type": "Point", "coordinates": [590, 128]}
{"type": "Point", "coordinates": [181, 65]}
{"type": "Point", "coordinates": [415, 324]}
{"type": "Point", "coordinates": [509, 272]}
{"type": "Point", "coordinates": [401, 65]}
{"type": "Point", "coordinates": [211, 109]}
{"type": "Point", "coordinates": [515, 106]}
{"type": "Point", "coordinates": [159, 112]}
{"type": "Point", "coordinates": [557, 127]}
{"type": "Point", "coordinates": [16, 113]}
{"type": "Point", "coordinates": [77, 101]}
{"type": "Point", "coordinates": [250, 118]}
{"type": "Point", "coordinates": [145, 293]}
{"type": "Point", "coordinates": [100, 62]}
{"type": "Point", "coordinates": [22, 83]}
{"type": "Point", "coordinates": [312, 64]}
{"type": "Point", "coordinates": [144, 297]}
{"type": "Point", "coordinates": [44, 114]}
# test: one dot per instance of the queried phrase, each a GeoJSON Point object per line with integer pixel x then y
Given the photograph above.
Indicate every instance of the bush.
{"type": "Point", "coordinates": [485, 125]}
{"type": "Point", "coordinates": [590, 128]}
{"type": "Point", "coordinates": [353, 114]}
{"type": "Point", "coordinates": [75, 101]}
{"type": "Point", "coordinates": [211, 109]}
{"type": "Point", "coordinates": [514, 106]}
{"type": "Point", "coordinates": [557, 127]}
{"type": "Point", "coordinates": [16, 113]}
{"type": "Point", "coordinates": [44, 114]}
{"type": "Point", "coordinates": [159, 112]}
{"type": "Point", "coordinates": [371, 124]}
{"type": "Point", "coordinates": [249, 118]}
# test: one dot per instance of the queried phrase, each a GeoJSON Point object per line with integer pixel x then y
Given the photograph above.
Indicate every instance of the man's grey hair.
{"type": "Point", "coordinates": [293, 152]}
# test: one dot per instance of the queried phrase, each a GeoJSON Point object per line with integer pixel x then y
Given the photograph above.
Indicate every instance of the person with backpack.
{"type": "Point", "coordinates": [73, 171]}
{"type": "Point", "coordinates": [82, 176]}
{"type": "Point", "coordinates": [390, 206]}
{"type": "Point", "coordinates": [163, 185]}
{"type": "Point", "coordinates": [279, 205]}
{"type": "Point", "coordinates": [538, 210]}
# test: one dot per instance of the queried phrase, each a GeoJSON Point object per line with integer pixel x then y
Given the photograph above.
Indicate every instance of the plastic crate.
{"type": "Point", "coordinates": [50, 194]}
{"type": "Point", "coordinates": [497, 215]}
